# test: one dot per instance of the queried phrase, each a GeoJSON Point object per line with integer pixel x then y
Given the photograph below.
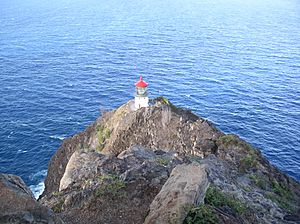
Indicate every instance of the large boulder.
{"type": "Point", "coordinates": [18, 205]}
{"type": "Point", "coordinates": [185, 187]}
{"type": "Point", "coordinates": [97, 188]}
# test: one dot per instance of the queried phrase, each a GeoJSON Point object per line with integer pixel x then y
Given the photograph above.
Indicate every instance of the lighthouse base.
{"type": "Point", "coordinates": [140, 102]}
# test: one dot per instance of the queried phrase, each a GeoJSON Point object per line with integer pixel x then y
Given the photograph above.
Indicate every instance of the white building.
{"type": "Point", "coordinates": [141, 95]}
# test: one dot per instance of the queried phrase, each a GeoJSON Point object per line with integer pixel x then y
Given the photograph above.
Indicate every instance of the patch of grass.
{"type": "Point", "coordinates": [248, 162]}
{"type": "Point", "coordinates": [162, 161]}
{"type": "Point", "coordinates": [281, 190]}
{"type": "Point", "coordinates": [281, 202]}
{"type": "Point", "coordinates": [232, 139]}
{"type": "Point", "coordinates": [202, 214]}
{"type": "Point", "coordinates": [103, 134]}
{"type": "Point", "coordinates": [164, 100]}
{"type": "Point", "coordinates": [56, 193]}
{"type": "Point", "coordinates": [57, 208]}
{"type": "Point", "coordinates": [228, 140]}
{"type": "Point", "coordinates": [110, 184]}
{"type": "Point", "coordinates": [282, 196]}
{"type": "Point", "coordinates": [216, 198]}
{"type": "Point", "coordinates": [259, 180]}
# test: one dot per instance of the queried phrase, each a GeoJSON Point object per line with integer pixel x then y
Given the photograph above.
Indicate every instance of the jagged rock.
{"type": "Point", "coordinates": [111, 172]}
{"type": "Point", "coordinates": [243, 188]}
{"type": "Point", "coordinates": [122, 186]}
{"type": "Point", "coordinates": [158, 127]}
{"type": "Point", "coordinates": [81, 166]}
{"type": "Point", "coordinates": [18, 205]}
{"type": "Point", "coordinates": [186, 187]}
{"type": "Point", "coordinates": [59, 161]}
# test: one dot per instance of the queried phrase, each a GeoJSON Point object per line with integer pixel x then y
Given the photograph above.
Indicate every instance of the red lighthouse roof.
{"type": "Point", "coordinates": [141, 83]}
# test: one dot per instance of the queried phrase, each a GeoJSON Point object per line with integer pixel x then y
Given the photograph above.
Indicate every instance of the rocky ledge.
{"type": "Point", "coordinates": [159, 164]}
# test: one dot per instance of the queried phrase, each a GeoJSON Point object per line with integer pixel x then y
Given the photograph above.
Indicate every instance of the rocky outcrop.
{"type": "Point", "coordinates": [18, 205]}
{"type": "Point", "coordinates": [58, 162]}
{"type": "Point", "coordinates": [185, 187]}
{"type": "Point", "coordinates": [95, 185]}
{"type": "Point", "coordinates": [159, 127]}
{"type": "Point", "coordinates": [127, 166]}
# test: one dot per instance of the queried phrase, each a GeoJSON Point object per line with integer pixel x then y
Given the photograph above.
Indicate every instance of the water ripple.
{"type": "Point", "coordinates": [237, 64]}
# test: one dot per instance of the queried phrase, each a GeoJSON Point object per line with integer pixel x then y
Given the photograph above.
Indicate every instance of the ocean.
{"type": "Point", "coordinates": [233, 62]}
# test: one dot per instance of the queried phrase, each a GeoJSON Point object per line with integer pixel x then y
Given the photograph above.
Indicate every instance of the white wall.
{"type": "Point", "coordinates": [141, 102]}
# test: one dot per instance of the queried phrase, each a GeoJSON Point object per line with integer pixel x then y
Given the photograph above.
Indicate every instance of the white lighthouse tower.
{"type": "Point", "coordinates": [141, 95]}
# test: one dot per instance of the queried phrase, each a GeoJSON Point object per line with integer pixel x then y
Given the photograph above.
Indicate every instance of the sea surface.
{"type": "Point", "coordinates": [234, 62]}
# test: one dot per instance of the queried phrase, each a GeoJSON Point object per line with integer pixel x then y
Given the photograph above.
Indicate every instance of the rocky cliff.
{"type": "Point", "coordinates": [163, 164]}
{"type": "Point", "coordinates": [17, 204]}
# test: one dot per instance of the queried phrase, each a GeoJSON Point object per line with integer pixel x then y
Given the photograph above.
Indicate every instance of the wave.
{"type": "Point", "coordinates": [57, 137]}
{"type": "Point", "coordinates": [38, 177]}
{"type": "Point", "coordinates": [38, 189]}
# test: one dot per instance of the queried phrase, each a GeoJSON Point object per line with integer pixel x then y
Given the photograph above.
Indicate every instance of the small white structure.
{"type": "Point", "coordinates": [141, 95]}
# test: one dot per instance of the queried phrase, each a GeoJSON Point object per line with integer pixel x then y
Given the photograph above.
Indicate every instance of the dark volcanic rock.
{"type": "Point", "coordinates": [17, 204]}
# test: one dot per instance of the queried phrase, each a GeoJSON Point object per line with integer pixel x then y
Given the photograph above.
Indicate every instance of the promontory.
{"type": "Point", "coordinates": [157, 164]}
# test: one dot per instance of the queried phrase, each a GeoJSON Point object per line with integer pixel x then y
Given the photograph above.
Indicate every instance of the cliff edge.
{"type": "Point", "coordinates": [164, 164]}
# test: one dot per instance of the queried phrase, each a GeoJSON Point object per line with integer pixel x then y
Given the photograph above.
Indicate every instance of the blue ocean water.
{"type": "Point", "coordinates": [234, 62]}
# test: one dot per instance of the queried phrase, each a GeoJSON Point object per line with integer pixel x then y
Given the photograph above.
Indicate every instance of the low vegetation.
{"type": "Point", "coordinates": [203, 214]}
{"type": "Point", "coordinates": [275, 191]}
{"type": "Point", "coordinates": [231, 139]}
{"type": "Point", "coordinates": [57, 208]}
{"type": "Point", "coordinates": [248, 162]}
{"type": "Point", "coordinates": [214, 199]}
{"type": "Point", "coordinates": [217, 198]}
{"type": "Point", "coordinates": [164, 100]}
{"type": "Point", "coordinates": [57, 193]}
{"type": "Point", "coordinates": [103, 134]}
{"type": "Point", "coordinates": [249, 156]}
{"type": "Point", "coordinates": [110, 184]}
{"type": "Point", "coordinates": [162, 161]}
{"type": "Point", "coordinates": [259, 180]}
{"type": "Point", "coordinates": [282, 196]}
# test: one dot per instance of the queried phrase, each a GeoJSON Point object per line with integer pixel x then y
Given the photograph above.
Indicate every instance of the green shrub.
{"type": "Point", "coordinates": [228, 140]}
{"type": "Point", "coordinates": [102, 134]}
{"type": "Point", "coordinates": [281, 190]}
{"type": "Point", "coordinates": [165, 101]}
{"type": "Point", "coordinates": [110, 184]}
{"type": "Point", "coordinates": [57, 208]}
{"type": "Point", "coordinates": [201, 215]}
{"type": "Point", "coordinates": [282, 196]}
{"type": "Point", "coordinates": [234, 140]}
{"type": "Point", "coordinates": [283, 203]}
{"type": "Point", "coordinates": [217, 198]}
{"type": "Point", "coordinates": [57, 193]}
{"type": "Point", "coordinates": [248, 162]}
{"type": "Point", "coordinates": [162, 161]}
{"type": "Point", "coordinates": [259, 180]}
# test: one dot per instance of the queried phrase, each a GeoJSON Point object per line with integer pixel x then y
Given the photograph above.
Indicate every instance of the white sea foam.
{"type": "Point", "coordinates": [38, 189]}
{"type": "Point", "coordinates": [39, 177]}
{"type": "Point", "coordinates": [57, 137]}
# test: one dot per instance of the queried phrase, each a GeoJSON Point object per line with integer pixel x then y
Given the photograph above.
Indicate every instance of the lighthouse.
{"type": "Point", "coordinates": [141, 94]}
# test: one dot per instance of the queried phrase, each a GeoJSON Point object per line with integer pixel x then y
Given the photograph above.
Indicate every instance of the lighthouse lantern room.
{"type": "Point", "coordinates": [141, 94]}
